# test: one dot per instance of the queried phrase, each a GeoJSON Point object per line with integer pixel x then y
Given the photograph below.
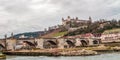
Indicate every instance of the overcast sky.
{"type": "Point", "coordinates": [20, 16]}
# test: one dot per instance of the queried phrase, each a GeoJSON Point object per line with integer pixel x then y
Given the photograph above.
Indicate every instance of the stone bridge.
{"type": "Point", "coordinates": [12, 43]}
{"type": "Point", "coordinates": [46, 43]}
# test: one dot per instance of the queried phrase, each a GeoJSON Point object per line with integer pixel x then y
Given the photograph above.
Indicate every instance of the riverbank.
{"type": "Point", "coordinates": [63, 53]}
{"type": "Point", "coordinates": [83, 51]}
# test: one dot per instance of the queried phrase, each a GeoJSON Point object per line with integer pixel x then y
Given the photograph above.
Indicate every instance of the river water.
{"type": "Point", "coordinates": [108, 56]}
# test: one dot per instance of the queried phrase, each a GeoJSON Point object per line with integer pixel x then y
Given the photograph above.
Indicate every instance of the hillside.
{"type": "Point", "coordinates": [54, 34]}
{"type": "Point", "coordinates": [30, 34]}
{"type": "Point", "coordinates": [112, 31]}
{"type": "Point", "coordinates": [78, 26]}
{"type": "Point", "coordinates": [97, 27]}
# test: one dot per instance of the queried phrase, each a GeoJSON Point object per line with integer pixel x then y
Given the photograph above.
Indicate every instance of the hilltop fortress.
{"type": "Point", "coordinates": [75, 23]}
{"type": "Point", "coordinates": [72, 24]}
{"type": "Point", "coordinates": [76, 20]}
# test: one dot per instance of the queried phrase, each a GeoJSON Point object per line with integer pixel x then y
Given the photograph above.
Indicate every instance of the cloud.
{"type": "Point", "coordinates": [34, 15]}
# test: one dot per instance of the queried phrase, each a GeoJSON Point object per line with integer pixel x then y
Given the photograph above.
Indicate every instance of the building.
{"type": "Point", "coordinates": [113, 37]}
{"type": "Point", "coordinates": [71, 22]}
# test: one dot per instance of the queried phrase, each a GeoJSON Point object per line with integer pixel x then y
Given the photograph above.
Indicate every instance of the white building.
{"type": "Point", "coordinates": [114, 37]}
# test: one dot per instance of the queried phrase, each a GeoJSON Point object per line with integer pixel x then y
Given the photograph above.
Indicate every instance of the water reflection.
{"type": "Point", "coordinates": [3, 59]}
{"type": "Point", "coordinates": [112, 56]}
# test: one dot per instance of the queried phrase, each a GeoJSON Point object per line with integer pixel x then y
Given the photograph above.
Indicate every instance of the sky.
{"type": "Point", "coordinates": [20, 16]}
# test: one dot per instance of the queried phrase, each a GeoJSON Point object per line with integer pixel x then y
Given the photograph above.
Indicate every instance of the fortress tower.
{"type": "Point", "coordinates": [65, 21]}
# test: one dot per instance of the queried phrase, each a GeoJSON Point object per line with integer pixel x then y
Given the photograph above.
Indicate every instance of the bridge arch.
{"type": "Point", "coordinates": [70, 43]}
{"type": "Point", "coordinates": [50, 44]}
{"type": "Point", "coordinates": [84, 42]}
{"type": "Point", "coordinates": [95, 42]}
{"type": "Point", "coordinates": [29, 43]}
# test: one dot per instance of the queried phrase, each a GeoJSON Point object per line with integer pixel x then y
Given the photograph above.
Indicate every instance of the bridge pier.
{"type": "Point", "coordinates": [11, 43]}
{"type": "Point", "coordinates": [78, 43]}
{"type": "Point", "coordinates": [61, 43]}
{"type": "Point", "coordinates": [40, 43]}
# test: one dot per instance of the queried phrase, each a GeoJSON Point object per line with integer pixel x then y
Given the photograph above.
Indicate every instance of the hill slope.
{"type": "Point", "coordinates": [55, 33]}
{"type": "Point", "coordinates": [30, 34]}
{"type": "Point", "coordinates": [112, 31]}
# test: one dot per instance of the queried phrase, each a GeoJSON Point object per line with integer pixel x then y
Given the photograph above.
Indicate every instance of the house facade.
{"type": "Point", "coordinates": [113, 37]}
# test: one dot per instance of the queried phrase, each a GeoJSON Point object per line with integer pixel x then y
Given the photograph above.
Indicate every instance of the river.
{"type": "Point", "coordinates": [108, 56]}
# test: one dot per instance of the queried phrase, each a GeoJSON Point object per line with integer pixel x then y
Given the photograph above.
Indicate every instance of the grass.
{"type": "Point", "coordinates": [60, 34]}
{"type": "Point", "coordinates": [112, 31]}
